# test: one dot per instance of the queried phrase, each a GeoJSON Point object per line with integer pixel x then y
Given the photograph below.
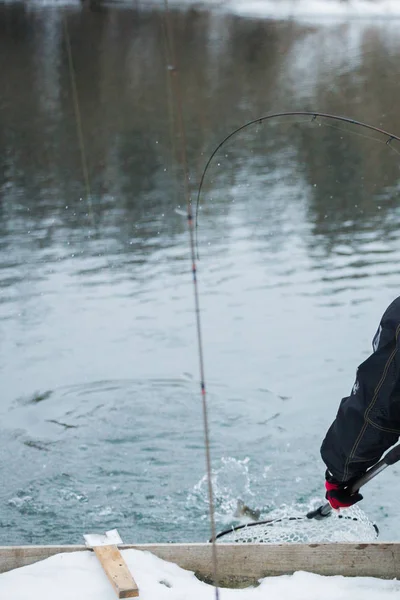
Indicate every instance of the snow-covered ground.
{"type": "Point", "coordinates": [78, 575]}
{"type": "Point", "coordinates": [277, 9]}
{"type": "Point", "coordinates": [316, 8]}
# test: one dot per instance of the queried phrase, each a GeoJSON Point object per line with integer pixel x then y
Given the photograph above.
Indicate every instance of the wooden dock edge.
{"type": "Point", "coordinates": [241, 565]}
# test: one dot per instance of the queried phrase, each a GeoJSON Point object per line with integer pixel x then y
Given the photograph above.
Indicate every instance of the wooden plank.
{"type": "Point", "coordinates": [13, 557]}
{"type": "Point", "coordinates": [117, 571]}
{"type": "Point", "coordinates": [244, 564]}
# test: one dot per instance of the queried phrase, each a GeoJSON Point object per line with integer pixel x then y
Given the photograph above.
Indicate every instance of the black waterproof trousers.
{"type": "Point", "coordinates": [368, 421]}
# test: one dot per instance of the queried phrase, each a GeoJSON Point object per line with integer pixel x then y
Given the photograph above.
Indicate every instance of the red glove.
{"type": "Point", "coordinates": [339, 494]}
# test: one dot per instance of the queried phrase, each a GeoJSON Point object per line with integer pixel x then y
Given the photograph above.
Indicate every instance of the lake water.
{"type": "Point", "coordinates": [100, 408]}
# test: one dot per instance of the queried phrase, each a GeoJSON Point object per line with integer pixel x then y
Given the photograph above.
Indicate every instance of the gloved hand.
{"type": "Point", "coordinates": [338, 493]}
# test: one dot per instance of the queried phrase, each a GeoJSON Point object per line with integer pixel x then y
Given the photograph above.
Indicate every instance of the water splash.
{"type": "Point", "coordinates": [232, 486]}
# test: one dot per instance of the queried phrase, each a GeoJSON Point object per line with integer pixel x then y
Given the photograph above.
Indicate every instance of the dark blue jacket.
{"type": "Point", "coordinates": [368, 421]}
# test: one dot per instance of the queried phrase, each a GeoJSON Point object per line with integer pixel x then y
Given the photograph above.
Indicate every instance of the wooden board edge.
{"type": "Point", "coordinates": [245, 564]}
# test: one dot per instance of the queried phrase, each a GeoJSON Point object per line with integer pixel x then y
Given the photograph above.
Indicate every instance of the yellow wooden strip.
{"type": "Point", "coordinates": [117, 571]}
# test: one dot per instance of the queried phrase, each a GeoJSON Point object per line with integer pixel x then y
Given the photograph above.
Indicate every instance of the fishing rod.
{"type": "Point", "coordinates": [393, 455]}
{"type": "Point", "coordinates": [314, 115]}
{"type": "Point", "coordinates": [177, 96]}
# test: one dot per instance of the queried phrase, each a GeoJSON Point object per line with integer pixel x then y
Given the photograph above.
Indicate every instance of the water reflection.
{"type": "Point", "coordinates": [298, 229]}
{"type": "Point", "coordinates": [127, 119]}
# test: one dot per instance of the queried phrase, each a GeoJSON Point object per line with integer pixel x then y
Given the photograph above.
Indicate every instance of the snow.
{"type": "Point", "coordinates": [78, 575]}
{"type": "Point", "coordinates": [300, 9]}
{"type": "Point", "coordinates": [356, 9]}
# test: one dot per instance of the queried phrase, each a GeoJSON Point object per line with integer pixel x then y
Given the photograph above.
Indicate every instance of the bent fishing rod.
{"type": "Point", "coordinates": [314, 115]}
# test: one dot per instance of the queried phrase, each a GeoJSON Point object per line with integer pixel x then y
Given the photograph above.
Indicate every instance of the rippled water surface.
{"type": "Point", "coordinates": [298, 232]}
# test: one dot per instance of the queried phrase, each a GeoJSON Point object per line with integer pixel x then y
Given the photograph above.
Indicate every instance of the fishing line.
{"type": "Point", "coordinates": [314, 115]}
{"type": "Point", "coordinates": [362, 135]}
{"type": "Point", "coordinates": [173, 155]}
{"type": "Point", "coordinates": [173, 69]}
{"type": "Point", "coordinates": [81, 139]}
{"type": "Point", "coordinates": [78, 119]}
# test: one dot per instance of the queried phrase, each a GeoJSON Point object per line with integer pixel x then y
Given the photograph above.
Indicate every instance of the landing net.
{"type": "Point", "coordinates": [349, 525]}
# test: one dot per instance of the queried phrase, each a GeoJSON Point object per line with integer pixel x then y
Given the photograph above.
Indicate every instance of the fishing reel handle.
{"type": "Point", "coordinates": [392, 457]}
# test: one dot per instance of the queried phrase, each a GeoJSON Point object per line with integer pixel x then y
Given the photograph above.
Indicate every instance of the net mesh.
{"type": "Point", "coordinates": [350, 525]}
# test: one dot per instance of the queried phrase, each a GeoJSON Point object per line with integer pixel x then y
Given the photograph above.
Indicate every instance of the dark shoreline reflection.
{"type": "Point", "coordinates": [231, 70]}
